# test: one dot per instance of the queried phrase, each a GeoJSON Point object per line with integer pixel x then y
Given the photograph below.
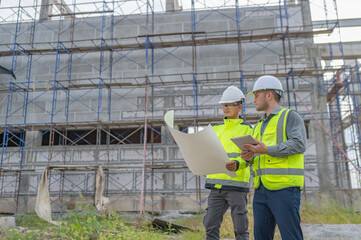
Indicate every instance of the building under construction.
{"type": "Point", "coordinates": [90, 82]}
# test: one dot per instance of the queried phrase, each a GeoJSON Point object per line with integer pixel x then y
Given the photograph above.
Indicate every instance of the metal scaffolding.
{"type": "Point", "coordinates": [70, 117]}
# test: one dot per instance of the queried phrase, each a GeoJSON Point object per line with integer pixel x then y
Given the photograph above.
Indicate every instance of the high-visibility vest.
{"type": "Point", "coordinates": [229, 129]}
{"type": "Point", "coordinates": [275, 172]}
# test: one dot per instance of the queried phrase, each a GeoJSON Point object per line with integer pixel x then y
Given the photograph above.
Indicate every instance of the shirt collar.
{"type": "Point", "coordinates": [274, 112]}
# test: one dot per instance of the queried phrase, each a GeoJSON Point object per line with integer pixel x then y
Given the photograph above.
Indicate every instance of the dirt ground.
{"type": "Point", "coordinates": [331, 231]}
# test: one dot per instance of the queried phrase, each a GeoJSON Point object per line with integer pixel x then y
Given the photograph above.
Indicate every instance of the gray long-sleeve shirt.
{"type": "Point", "coordinates": [295, 134]}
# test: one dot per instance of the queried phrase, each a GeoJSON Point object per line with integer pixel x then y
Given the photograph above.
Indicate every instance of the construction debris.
{"type": "Point", "coordinates": [168, 226]}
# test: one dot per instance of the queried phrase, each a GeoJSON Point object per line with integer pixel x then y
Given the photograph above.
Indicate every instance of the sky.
{"type": "Point", "coordinates": [346, 9]}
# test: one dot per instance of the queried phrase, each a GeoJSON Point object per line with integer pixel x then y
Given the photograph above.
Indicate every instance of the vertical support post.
{"type": "Point", "coordinates": [242, 87]}
{"type": "Point", "coordinates": [358, 76]}
{"type": "Point", "coordinates": [102, 45]}
{"type": "Point", "coordinates": [26, 94]}
{"type": "Point", "coordinates": [339, 133]}
{"type": "Point", "coordinates": [67, 96]}
{"type": "Point", "coordinates": [67, 90]}
{"type": "Point", "coordinates": [109, 103]}
{"type": "Point", "coordinates": [17, 189]}
{"type": "Point", "coordinates": [285, 68]}
{"type": "Point", "coordinates": [240, 56]}
{"type": "Point", "coordinates": [51, 143]}
{"type": "Point", "coordinates": [194, 63]}
{"type": "Point", "coordinates": [61, 192]}
{"type": "Point", "coordinates": [294, 87]}
{"type": "Point", "coordinates": [338, 102]}
{"type": "Point", "coordinates": [55, 83]}
{"type": "Point", "coordinates": [10, 91]}
{"type": "Point", "coordinates": [152, 169]}
{"type": "Point", "coordinates": [280, 14]}
{"type": "Point", "coordinates": [195, 91]}
{"type": "Point", "coordinates": [100, 84]}
{"type": "Point", "coordinates": [346, 168]}
{"type": "Point", "coordinates": [45, 10]}
{"type": "Point", "coordinates": [286, 13]}
{"type": "Point", "coordinates": [32, 27]}
{"type": "Point", "coordinates": [147, 45]}
{"type": "Point", "coordinates": [21, 146]}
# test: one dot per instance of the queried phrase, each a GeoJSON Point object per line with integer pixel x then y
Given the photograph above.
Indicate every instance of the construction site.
{"type": "Point", "coordinates": [90, 81]}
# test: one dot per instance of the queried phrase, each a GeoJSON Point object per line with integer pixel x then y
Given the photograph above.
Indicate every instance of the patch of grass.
{"type": "Point", "coordinates": [85, 223]}
{"type": "Point", "coordinates": [328, 212]}
{"type": "Point", "coordinates": [32, 221]}
{"type": "Point", "coordinates": [90, 224]}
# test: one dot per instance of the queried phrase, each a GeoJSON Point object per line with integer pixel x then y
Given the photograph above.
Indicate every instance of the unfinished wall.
{"type": "Point", "coordinates": [69, 103]}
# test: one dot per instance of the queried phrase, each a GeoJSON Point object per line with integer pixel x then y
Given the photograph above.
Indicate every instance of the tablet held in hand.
{"type": "Point", "coordinates": [246, 139]}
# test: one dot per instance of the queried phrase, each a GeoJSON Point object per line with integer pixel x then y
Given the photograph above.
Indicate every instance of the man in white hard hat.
{"type": "Point", "coordinates": [278, 163]}
{"type": "Point", "coordinates": [227, 192]}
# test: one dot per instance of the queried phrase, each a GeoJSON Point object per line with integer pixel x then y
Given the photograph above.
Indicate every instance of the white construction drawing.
{"type": "Point", "coordinates": [202, 151]}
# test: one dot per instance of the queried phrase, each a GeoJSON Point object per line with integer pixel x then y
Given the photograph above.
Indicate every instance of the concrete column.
{"type": "Point", "coordinates": [324, 153]}
{"type": "Point", "coordinates": [168, 202]}
{"type": "Point", "coordinates": [172, 6]}
{"type": "Point", "coordinates": [326, 172]}
{"type": "Point", "coordinates": [168, 103]}
{"type": "Point", "coordinates": [33, 139]}
{"type": "Point", "coordinates": [45, 9]}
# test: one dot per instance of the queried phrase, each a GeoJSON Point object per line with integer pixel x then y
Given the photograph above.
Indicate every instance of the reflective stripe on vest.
{"type": "Point", "coordinates": [233, 155]}
{"type": "Point", "coordinates": [278, 171]}
{"type": "Point", "coordinates": [280, 125]}
{"type": "Point", "coordinates": [227, 182]}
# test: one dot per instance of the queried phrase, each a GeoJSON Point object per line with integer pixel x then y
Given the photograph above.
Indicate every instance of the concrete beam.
{"type": "Point", "coordinates": [47, 5]}
{"type": "Point", "coordinates": [63, 8]}
{"type": "Point", "coordinates": [351, 50]}
{"type": "Point", "coordinates": [350, 22]}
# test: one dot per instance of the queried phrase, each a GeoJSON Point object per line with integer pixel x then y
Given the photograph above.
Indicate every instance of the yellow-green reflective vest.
{"type": "Point", "coordinates": [276, 173]}
{"type": "Point", "coordinates": [229, 129]}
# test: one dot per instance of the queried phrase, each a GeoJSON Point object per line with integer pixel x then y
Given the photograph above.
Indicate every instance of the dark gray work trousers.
{"type": "Point", "coordinates": [218, 202]}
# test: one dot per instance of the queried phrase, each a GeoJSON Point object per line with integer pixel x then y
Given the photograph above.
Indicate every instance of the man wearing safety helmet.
{"type": "Point", "coordinates": [227, 191]}
{"type": "Point", "coordinates": [278, 163]}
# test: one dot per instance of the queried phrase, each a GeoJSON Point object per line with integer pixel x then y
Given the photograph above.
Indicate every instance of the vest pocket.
{"type": "Point", "coordinates": [277, 178]}
{"type": "Point", "coordinates": [273, 169]}
{"type": "Point", "coordinates": [268, 136]}
{"type": "Point", "coordinates": [274, 162]}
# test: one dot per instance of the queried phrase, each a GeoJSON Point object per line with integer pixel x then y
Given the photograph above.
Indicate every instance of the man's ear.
{"type": "Point", "coordinates": [269, 95]}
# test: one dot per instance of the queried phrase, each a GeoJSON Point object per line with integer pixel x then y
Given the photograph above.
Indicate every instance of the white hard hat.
{"type": "Point", "coordinates": [267, 82]}
{"type": "Point", "coordinates": [232, 94]}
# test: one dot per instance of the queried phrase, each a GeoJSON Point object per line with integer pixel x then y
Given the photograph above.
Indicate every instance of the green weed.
{"type": "Point", "coordinates": [328, 211]}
